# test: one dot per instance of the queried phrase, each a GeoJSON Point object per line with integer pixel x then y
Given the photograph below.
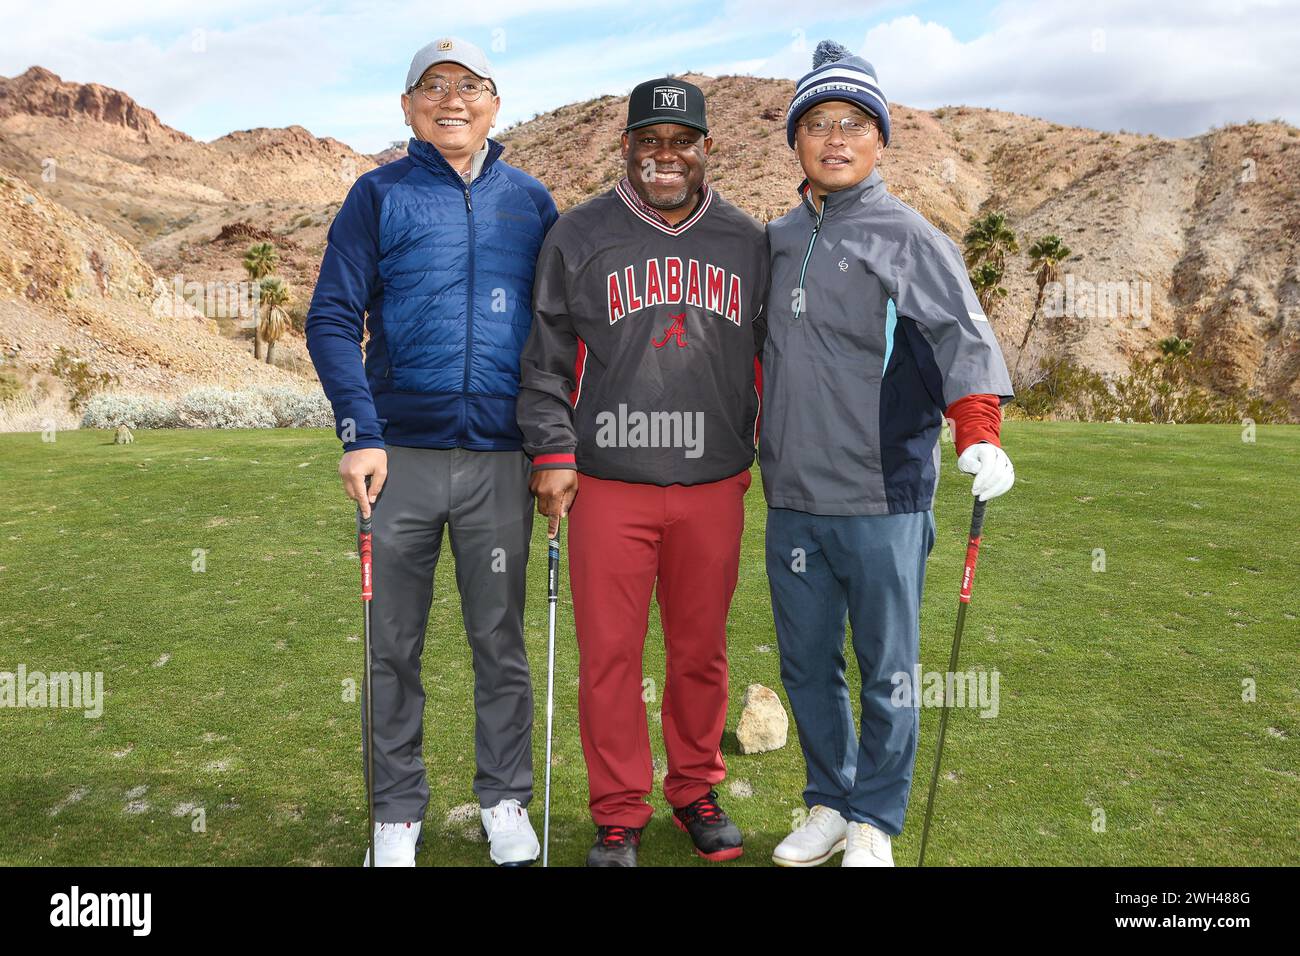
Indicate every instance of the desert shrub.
{"type": "Point", "coordinates": [291, 408]}
{"type": "Point", "coordinates": [212, 407]}
{"type": "Point", "coordinates": [297, 313]}
{"type": "Point", "coordinates": [1062, 389]}
{"type": "Point", "coordinates": [133, 411]}
{"type": "Point", "coordinates": [1163, 389]}
{"type": "Point", "coordinates": [259, 406]}
{"type": "Point", "coordinates": [10, 387]}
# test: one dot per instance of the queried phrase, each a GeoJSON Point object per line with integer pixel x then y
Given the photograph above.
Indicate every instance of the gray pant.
{"type": "Point", "coordinates": [484, 498]}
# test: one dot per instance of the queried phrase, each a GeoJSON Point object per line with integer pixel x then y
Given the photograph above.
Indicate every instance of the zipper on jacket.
{"type": "Point", "coordinates": [803, 294]}
{"type": "Point", "coordinates": [469, 308]}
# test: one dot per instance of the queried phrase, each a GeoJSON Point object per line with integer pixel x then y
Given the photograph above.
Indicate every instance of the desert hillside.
{"type": "Point", "coordinates": [1199, 235]}
{"type": "Point", "coordinates": [69, 283]}
{"type": "Point", "coordinates": [1201, 232]}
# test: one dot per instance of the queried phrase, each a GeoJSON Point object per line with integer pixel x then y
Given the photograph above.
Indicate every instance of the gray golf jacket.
{"type": "Point", "coordinates": [873, 330]}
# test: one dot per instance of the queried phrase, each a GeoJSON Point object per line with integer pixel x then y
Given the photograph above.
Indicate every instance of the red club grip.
{"type": "Point", "coordinates": [972, 549]}
{"type": "Point", "coordinates": [968, 575]}
{"type": "Point", "coordinates": [366, 590]}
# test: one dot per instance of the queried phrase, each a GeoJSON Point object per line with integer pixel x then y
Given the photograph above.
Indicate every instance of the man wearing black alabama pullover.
{"type": "Point", "coordinates": [638, 396]}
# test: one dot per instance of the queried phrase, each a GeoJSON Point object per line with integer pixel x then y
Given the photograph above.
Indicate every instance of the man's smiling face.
{"type": "Point", "coordinates": [452, 125]}
{"type": "Point", "coordinates": [834, 161]}
{"type": "Point", "coordinates": [666, 163]}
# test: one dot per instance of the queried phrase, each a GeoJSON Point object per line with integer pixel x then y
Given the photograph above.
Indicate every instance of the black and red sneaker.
{"type": "Point", "coordinates": [615, 846]}
{"type": "Point", "coordinates": [711, 830]}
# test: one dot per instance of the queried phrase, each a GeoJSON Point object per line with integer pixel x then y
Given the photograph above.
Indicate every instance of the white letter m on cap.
{"type": "Point", "coordinates": [670, 98]}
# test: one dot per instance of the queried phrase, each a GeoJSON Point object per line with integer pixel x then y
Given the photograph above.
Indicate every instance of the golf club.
{"type": "Point", "coordinates": [364, 528]}
{"type": "Point", "coordinates": [552, 597]}
{"type": "Point", "coordinates": [967, 581]}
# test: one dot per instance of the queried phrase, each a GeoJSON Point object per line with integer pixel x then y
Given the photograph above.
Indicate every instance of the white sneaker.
{"type": "Point", "coordinates": [819, 838]}
{"type": "Point", "coordinates": [511, 835]}
{"type": "Point", "coordinates": [395, 844]}
{"type": "Point", "coordinates": [867, 846]}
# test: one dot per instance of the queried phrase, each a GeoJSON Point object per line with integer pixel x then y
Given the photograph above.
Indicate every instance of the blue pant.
{"type": "Point", "coordinates": [870, 568]}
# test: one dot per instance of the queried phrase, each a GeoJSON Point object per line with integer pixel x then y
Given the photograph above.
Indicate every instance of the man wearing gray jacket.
{"type": "Point", "coordinates": [874, 334]}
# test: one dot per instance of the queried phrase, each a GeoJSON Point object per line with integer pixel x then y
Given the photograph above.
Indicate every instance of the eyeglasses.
{"type": "Point", "coordinates": [438, 88]}
{"type": "Point", "coordinates": [850, 126]}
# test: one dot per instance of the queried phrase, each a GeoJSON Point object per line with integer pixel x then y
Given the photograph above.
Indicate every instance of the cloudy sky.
{"type": "Point", "coordinates": [209, 67]}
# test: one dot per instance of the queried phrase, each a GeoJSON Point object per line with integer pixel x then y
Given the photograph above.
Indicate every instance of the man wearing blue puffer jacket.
{"type": "Point", "coordinates": [434, 255]}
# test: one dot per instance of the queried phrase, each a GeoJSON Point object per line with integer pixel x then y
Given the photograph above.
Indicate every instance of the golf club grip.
{"type": "Point", "coordinates": [977, 518]}
{"type": "Point", "coordinates": [972, 550]}
{"type": "Point", "coordinates": [553, 569]}
{"type": "Point", "coordinates": [365, 529]}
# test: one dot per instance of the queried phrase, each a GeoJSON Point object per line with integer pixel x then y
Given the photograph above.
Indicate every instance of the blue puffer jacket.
{"type": "Point", "coordinates": [442, 273]}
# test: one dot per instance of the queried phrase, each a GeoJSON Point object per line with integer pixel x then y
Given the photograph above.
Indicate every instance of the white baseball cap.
{"type": "Point", "coordinates": [449, 50]}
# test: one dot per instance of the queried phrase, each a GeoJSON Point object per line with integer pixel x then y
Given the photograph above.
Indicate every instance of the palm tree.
{"type": "Point", "coordinates": [986, 279]}
{"type": "Point", "coordinates": [990, 239]}
{"type": "Point", "coordinates": [274, 295]}
{"type": "Point", "coordinates": [259, 261]}
{"type": "Point", "coordinates": [1045, 258]}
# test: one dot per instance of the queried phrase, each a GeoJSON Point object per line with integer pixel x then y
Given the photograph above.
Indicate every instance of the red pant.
{"type": "Point", "coordinates": [622, 537]}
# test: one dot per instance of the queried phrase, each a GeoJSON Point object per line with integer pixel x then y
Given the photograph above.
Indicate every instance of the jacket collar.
{"type": "Point", "coordinates": [427, 155]}
{"type": "Point", "coordinates": [866, 191]}
{"type": "Point", "coordinates": [703, 199]}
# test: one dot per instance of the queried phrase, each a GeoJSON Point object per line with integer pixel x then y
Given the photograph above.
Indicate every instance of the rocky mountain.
{"type": "Point", "coordinates": [1195, 237]}
{"type": "Point", "coordinates": [68, 284]}
{"type": "Point", "coordinates": [98, 153]}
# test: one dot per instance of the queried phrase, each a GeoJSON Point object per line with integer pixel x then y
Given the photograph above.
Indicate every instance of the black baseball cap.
{"type": "Point", "coordinates": [666, 100]}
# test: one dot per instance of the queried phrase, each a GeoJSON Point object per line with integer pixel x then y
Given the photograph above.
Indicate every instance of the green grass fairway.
{"type": "Point", "coordinates": [1121, 690]}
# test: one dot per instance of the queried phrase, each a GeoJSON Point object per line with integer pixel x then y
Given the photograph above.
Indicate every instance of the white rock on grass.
{"type": "Point", "coordinates": [763, 722]}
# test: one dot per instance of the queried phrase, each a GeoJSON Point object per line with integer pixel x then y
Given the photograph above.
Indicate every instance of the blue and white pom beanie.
{"type": "Point", "coordinates": [838, 75]}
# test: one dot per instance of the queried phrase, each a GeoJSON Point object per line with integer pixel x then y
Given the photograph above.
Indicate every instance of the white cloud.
{"type": "Point", "coordinates": [263, 67]}
{"type": "Point", "coordinates": [1174, 71]}
{"type": "Point", "coordinates": [547, 78]}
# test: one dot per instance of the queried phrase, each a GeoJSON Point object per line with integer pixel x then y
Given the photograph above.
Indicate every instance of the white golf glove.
{"type": "Point", "coordinates": [991, 467]}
